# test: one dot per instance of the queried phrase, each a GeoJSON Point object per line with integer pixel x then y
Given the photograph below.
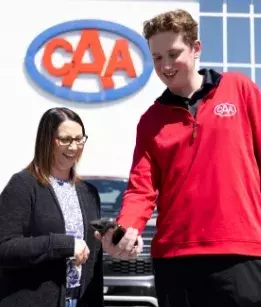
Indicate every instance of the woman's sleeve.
{"type": "Point", "coordinates": [16, 249]}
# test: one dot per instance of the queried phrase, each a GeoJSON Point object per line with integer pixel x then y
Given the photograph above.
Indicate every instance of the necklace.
{"type": "Point", "coordinates": [60, 181]}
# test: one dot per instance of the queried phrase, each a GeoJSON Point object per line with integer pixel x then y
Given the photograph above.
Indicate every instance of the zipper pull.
{"type": "Point", "coordinates": [195, 130]}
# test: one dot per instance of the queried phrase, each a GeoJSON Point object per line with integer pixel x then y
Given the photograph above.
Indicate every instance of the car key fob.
{"type": "Point", "coordinates": [103, 225]}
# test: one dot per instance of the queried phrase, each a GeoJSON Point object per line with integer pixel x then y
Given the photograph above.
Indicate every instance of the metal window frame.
{"type": "Point", "coordinates": [225, 14]}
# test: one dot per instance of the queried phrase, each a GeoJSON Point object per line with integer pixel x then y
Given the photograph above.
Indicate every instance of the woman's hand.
{"type": "Point", "coordinates": [81, 251]}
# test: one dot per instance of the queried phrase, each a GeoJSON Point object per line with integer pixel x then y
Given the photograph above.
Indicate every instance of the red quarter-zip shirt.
{"type": "Point", "coordinates": [203, 172]}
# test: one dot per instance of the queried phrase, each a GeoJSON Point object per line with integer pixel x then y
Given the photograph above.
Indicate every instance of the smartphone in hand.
{"type": "Point", "coordinates": [103, 225]}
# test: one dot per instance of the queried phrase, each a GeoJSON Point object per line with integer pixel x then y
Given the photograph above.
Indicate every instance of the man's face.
{"type": "Point", "coordinates": [174, 61]}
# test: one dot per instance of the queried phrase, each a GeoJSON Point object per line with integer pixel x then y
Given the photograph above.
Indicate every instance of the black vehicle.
{"type": "Point", "coordinates": [126, 283]}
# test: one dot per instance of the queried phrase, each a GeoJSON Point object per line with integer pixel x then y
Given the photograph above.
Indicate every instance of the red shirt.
{"type": "Point", "coordinates": [203, 172]}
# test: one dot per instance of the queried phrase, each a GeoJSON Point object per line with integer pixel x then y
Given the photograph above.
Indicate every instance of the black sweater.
{"type": "Point", "coordinates": [34, 247]}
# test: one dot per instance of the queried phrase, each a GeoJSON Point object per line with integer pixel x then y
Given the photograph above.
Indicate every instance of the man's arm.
{"type": "Point", "coordinates": [138, 201]}
{"type": "Point", "coordinates": [140, 197]}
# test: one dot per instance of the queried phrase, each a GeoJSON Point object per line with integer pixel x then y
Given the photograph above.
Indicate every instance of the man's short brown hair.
{"type": "Point", "coordinates": [178, 21]}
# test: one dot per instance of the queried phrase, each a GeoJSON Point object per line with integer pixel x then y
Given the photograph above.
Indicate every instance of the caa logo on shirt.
{"type": "Point", "coordinates": [225, 109]}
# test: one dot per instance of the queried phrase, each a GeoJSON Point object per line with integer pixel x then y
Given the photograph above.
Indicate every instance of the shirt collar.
{"type": "Point", "coordinates": [211, 79]}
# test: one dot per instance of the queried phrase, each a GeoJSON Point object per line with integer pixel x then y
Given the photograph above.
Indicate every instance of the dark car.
{"type": "Point", "coordinates": [126, 283]}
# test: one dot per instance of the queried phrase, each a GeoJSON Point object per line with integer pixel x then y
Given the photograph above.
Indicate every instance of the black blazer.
{"type": "Point", "coordinates": [34, 247]}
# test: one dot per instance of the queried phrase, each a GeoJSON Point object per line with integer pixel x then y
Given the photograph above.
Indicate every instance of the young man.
{"type": "Point", "coordinates": [198, 155]}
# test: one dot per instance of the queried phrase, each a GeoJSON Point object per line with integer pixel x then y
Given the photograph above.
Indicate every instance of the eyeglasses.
{"type": "Point", "coordinates": [67, 140]}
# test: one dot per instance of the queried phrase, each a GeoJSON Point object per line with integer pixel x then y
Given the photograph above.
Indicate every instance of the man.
{"type": "Point", "coordinates": [198, 155]}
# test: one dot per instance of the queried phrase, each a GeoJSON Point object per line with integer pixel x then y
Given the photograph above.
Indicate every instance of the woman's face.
{"type": "Point", "coordinates": [68, 145]}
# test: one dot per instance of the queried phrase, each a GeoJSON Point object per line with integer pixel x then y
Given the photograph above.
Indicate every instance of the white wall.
{"type": "Point", "coordinates": [111, 126]}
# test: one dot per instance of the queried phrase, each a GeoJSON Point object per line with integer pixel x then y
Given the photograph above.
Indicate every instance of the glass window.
{"type": "Point", "coordinates": [258, 77]}
{"type": "Point", "coordinates": [218, 69]}
{"type": "Point", "coordinates": [257, 6]}
{"type": "Point", "coordinates": [258, 40]}
{"type": "Point", "coordinates": [238, 40]}
{"type": "Point", "coordinates": [244, 70]}
{"type": "Point", "coordinates": [212, 39]}
{"type": "Point", "coordinates": [110, 192]}
{"type": "Point", "coordinates": [238, 6]}
{"type": "Point", "coordinates": [211, 5]}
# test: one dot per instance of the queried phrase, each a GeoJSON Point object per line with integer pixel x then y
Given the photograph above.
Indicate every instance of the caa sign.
{"type": "Point", "coordinates": [55, 60]}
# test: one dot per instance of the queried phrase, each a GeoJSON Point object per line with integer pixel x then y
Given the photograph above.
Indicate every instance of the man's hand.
{"type": "Point", "coordinates": [126, 248]}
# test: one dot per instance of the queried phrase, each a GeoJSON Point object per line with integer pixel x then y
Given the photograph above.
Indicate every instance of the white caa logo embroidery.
{"type": "Point", "coordinates": [225, 109]}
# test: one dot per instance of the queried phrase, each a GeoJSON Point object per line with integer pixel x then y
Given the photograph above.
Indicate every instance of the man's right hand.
{"type": "Point", "coordinates": [81, 251]}
{"type": "Point", "coordinates": [126, 248]}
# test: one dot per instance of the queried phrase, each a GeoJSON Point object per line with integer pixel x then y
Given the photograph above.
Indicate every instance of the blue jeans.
{"type": "Point", "coordinates": [70, 302]}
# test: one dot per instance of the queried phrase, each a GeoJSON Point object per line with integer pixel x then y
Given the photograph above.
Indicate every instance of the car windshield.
{"type": "Point", "coordinates": [111, 192]}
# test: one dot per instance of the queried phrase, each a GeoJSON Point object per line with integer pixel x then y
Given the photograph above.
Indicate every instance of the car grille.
{"type": "Point", "coordinates": [136, 267]}
{"type": "Point", "coordinates": [130, 268]}
{"type": "Point", "coordinates": [128, 304]}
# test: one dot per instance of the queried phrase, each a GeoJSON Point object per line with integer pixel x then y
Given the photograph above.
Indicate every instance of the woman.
{"type": "Point", "coordinates": [48, 254]}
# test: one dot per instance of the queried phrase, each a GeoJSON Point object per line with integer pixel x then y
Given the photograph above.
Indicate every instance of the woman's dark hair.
{"type": "Point", "coordinates": [40, 167]}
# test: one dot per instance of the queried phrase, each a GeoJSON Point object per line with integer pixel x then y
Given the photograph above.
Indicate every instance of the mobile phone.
{"type": "Point", "coordinates": [103, 225]}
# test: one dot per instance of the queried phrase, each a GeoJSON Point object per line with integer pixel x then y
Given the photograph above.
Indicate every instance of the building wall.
{"type": "Point", "coordinates": [230, 33]}
{"type": "Point", "coordinates": [111, 126]}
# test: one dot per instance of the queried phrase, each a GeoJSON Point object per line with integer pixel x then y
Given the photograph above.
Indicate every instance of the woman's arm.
{"type": "Point", "coordinates": [16, 250]}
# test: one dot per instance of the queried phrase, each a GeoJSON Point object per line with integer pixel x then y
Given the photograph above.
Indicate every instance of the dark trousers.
{"type": "Point", "coordinates": [208, 281]}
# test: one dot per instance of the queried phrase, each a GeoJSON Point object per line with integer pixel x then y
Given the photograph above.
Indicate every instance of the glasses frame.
{"type": "Point", "coordinates": [85, 136]}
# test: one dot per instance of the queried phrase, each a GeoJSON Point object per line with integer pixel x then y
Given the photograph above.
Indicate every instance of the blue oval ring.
{"type": "Point", "coordinates": [76, 25]}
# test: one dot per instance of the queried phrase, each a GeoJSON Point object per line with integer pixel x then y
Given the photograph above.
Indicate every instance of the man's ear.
{"type": "Point", "coordinates": [197, 49]}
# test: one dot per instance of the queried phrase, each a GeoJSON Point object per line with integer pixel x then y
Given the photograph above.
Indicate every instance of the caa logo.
{"type": "Point", "coordinates": [62, 77]}
{"type": "Point", "coordinates": [225, 109]}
